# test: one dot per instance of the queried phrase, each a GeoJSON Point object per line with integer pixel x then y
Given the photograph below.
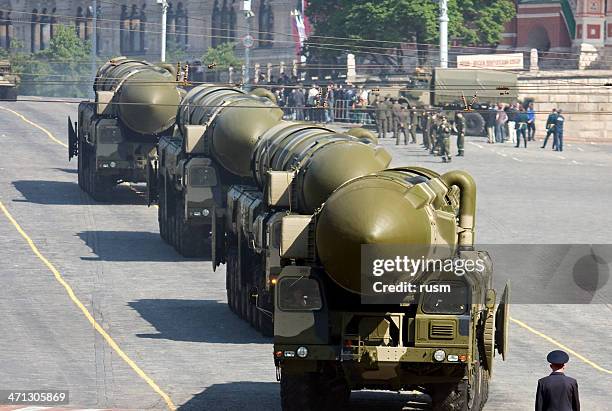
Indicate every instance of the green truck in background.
{"type": "Point", "coordinates": [450, 90]}
{"type": "Point", "coordinates": [8, 82]}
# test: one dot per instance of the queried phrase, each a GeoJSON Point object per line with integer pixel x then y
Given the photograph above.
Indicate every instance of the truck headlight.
{"type": "Point", "coordinates": [439, 355]}
{"type": "Point", "coordinates": [302, 352]}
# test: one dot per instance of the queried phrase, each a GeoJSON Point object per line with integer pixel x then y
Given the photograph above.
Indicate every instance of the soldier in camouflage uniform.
{"type": "Point", "coordinates": [414, 120]}
{"type": "Point", "coordinates": [381, 117]}
{"type": "Point", "coordinates": [433, 134]}
{"type": "Point", "coordinates": [444, 133]}
{"type": "Point", "coordinates": [460, 126]}
{"type": "Point", "coordinates": [396, 109]}
{"type": "Point", "coordinates": [403, 117]}
{"type": "Point", "coordinates": [388, 112]}
{"type": "Point", "coordinates": [425, 128]}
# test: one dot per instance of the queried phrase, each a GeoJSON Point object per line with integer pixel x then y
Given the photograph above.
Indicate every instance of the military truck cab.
{"type": "Point", "coordinates": [8, 82]}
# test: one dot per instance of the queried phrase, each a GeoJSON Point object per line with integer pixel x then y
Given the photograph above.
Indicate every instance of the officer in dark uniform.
{"type": "Point", "coordinates": [551, 121]}
{"type": "Point", "coordinates": [559, 123]}
{"type": "Point", "coordinates": [460, 126]}
{"type": "Point", "coordinates": [557, 392]}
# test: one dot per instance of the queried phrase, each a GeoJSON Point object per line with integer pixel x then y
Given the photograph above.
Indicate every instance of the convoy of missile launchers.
{"type": "Point", "coordinates": [288, 206]}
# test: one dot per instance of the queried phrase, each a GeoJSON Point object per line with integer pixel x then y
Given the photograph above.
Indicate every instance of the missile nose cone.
{"type": "Point", "coordinates": [148, 102]}
{"type": "Point", "coordinates": [366, 211]}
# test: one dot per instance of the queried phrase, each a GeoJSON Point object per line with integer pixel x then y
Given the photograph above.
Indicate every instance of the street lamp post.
{"type": "Point", "coordinates": [443, 33]}
{"type": "Point", "coordinates": [164, 8]}
{"type": "Point", "coordinates": [94, 41]}
{"type": "Point", "coordinates": [247, 41]}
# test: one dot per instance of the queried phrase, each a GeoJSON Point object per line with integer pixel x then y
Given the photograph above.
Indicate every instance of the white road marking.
{"type": "Point", "coordinates": [514, 158]}
{"type": "Point", "coordinates": [575, 162]}
{"type": "Point", "coordinates": [561, 157]}
{"type": "Point", "coordinates": [580, 148]}
{"type": "Point", "coordinates": [474, 144]}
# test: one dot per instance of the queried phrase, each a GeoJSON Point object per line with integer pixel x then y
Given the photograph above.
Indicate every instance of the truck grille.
{"type": "Point", "coordinates": [441, 331]}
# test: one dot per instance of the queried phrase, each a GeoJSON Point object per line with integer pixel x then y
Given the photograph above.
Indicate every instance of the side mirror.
{"type": "Point", "coordinates": [253, 296]}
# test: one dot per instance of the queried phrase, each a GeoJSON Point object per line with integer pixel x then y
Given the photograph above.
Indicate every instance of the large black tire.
{"type": "Point", "coordinates": [230, 269]}
{"type": "Point", "coordinates": [98, 187]}
{"type": "Point", "coordinates": [300, 393]}
{"type": "Point", "coordinates": [474, 124]}
{"type": "Point", "coordinates": [314, 392]}
{"type": "Point", "coordinates": [459, 397]}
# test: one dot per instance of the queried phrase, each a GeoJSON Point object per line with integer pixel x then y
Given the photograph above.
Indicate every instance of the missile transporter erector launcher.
{"type": "Point", "coordinates": [292, 206]}
{"type": "Point", "coordinates": [115, 137]}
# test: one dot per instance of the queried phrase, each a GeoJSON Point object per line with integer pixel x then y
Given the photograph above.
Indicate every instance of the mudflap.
{"type": "Point", "coordinates": [152, 186]}
{"type": "Point", "coordinates": [502, 319]}
{"type": "Point", "coordinates": [218, 238]}
{"type": "Point", "coordinates": [73, 140]}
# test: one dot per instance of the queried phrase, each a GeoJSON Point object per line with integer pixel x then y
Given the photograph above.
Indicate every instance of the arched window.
{"type": "Point", "coordinates": [134, 29]}
{"type": "Point", "coordinates": [5, 30]}
{"type": "Point", "coordinates": [224, 23]}
{"type": "Point", "coordinates": [215, 25]}
{"type": "Point", "coordinates": [80, 23]}
{"type": "Point", "coordinates": [35, 32]}
{"type": "Point", "coordinates": [124, 33]}
{"type": "Point", "coordinates": [143, 26]}
{"type": "Point", "coordinates": [99, 23]}
{"type": "Point", "coordinates": [232, 22]}
{"type": "Point", "coordinates": [89, 23]}
{"type": "Point", "coordinates": [266, 24]}
{"type": "Point", "coordinates": [45, 29]}
{"type": "Point", "coordinates": [170, 22]}
{"type": "Point", "coordinates": [53, 22]}
{"type": "Point", "coordinates": [181, 25]}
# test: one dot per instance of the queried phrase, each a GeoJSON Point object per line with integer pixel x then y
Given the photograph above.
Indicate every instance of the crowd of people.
{"type": "Point", "coordinates": [515, 122]}
{"type": "Point", "coordinates": [320, 103]}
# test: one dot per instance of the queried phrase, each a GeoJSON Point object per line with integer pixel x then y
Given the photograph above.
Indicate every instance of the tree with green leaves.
{"type": "Point", "coordinates": [62, 69]}
{"type": "Point", "coordinates": [345, 24]}
{"type": "Point", "coordinates": [221, 58]}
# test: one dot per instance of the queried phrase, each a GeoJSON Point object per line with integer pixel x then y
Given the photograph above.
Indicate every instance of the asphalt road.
{"type": "Point", "coordinates": [168, 316]}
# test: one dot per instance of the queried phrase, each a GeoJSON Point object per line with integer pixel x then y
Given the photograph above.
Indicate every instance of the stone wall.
{"type": "Point", "coordinates": [582, 95]}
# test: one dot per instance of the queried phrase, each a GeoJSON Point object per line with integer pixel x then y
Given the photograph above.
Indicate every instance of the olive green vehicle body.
{"type": "Point", "coordinates": [292, 206]}
{"type": "Point", "coordinates": [115, 136]}
{"type": "Point", "coordinates": [451, 90]}
{"type": "Point", "coordinates": [8, 82]}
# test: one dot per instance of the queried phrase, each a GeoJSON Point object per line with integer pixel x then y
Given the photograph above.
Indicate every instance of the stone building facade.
{"type": "Point", "coordinates": [133, 27]}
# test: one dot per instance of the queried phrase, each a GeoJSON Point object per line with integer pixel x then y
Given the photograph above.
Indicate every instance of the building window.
{"type": "Point", "coordinates": [35, 32]}
{"type": "Point", "coordinates": [181, 25]}
{"type": "Point", "coordinates": [80, 23]}
{"type": "Point", "coordinates": [5, 30]}
{"type": "Point", "coordinates": [134, 40]}
{"type": "Point", "coordinates": [143, 28]}
{"type": "Point", "coordinates": [124, 32]}
{"type": "Point", "coordinates": [215, 25]}
{"type": "Point", "coordinates": [266, 24]}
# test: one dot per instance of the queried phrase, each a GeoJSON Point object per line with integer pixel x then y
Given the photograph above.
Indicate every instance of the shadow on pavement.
{"type": "Point", "coordinates": [256, 396]}
{"type": "Point", "coordinates": [245, 395]}
{"type": "Point", "coordinates": [129, 246]}
{"type": "Point", "coordinates": [196, 321]}
{"type": "Point", "coordinates": [69, 193]}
